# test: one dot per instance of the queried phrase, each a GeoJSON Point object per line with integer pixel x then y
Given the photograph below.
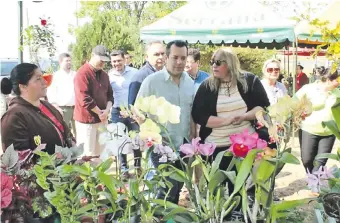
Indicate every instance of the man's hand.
{"type": "Point", "coordinates": [103, 115]}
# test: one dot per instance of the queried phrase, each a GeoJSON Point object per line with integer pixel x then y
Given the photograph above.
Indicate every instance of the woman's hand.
{"type": "Point", "coordinates": [238, 119]}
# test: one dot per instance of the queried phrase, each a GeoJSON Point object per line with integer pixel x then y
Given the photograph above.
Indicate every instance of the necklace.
{"type": "Point", "coordinates": [228, 86]}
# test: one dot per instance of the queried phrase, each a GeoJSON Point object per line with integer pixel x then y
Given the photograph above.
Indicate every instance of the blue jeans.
{"type": "Point", "coordinates": [131, 126]}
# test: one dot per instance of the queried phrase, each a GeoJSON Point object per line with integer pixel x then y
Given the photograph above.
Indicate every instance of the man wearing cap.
{"type": "Point", "coordinates": [93, 100]}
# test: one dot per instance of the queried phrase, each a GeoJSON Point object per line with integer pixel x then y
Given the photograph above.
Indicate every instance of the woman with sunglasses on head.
{"type": "Point", "coordinates": [274, 89]}
{"type": "Point", "coordinates": [314, 138]}
{"type": "Point", "coordinates": [226, 102]}
{"type": "Point", "coordinates": [28, 116]}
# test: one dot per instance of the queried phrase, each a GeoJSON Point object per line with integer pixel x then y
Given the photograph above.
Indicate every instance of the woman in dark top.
{"type": "Point", "coordinates": [28, 116]}
{"type": "Point", "coordinates": [226, 103]}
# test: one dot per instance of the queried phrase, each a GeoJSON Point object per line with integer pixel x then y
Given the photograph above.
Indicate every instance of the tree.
{"type": "Point", "coordinates": [116, 24]}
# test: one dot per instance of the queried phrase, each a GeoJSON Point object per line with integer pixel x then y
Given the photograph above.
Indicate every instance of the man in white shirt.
{"type": "Point", "coordinates": [61, 92]}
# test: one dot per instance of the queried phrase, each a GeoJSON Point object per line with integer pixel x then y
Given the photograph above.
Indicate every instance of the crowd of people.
{"type": "Point", "coordinates": [213, 106]}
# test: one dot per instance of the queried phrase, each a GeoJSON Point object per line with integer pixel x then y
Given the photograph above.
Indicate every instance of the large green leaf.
{"type": "Point", "coordinates": [216, 163]}
{"type": "Point", "coordinates": [217, 179]}
{"type": "Point", "coordinates": [279, 210]}
{"type": "Point", "coordinates": [332, 125]}
{"type": "Point", "coordinates": [245, 169]}
{"type": "Point", "coordinates": [104, 166]}
{"type": "Point", "coordinates": [336, 111]}
{"type": "Point", "coordinates": [180, 211]}
{"type": "Point", "coordinates": [264, 171]}
{"type": "Point", "coordinates": [107, 180]}
{"type": "Point", "coordinates": [289, 158]}
{"type": "Point", "coordinates": [327, 156]}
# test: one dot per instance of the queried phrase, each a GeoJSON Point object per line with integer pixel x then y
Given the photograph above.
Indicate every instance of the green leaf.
{"type": "Point", "coordinates": [245, 169]}
{"type": "Point", "coordinates": [231, 175]}
{"type": "Point", "coordinates": [216, 163]}
{"type": "Point", "coordinates": [217, 179]}
{"type": "Point", "coordinates": [107, 180]}
{"type": "Point", "coordinates": [245, 204]}
{"type": "Point", "coordinates": [333, 127]}
{"type": "Point", "coordinates": [84, 170]}
{"type": "Point", "coordinates": [178, 211]}
{"type": "Point", "coordinates": [289, 158]}
{"type": "Point", "coordinates": [287, 205]}
{"type": "Point", "coordinates": [196, 162]}
{"type": "Point", "coordinates": [336, 108]}
{"type": "Point", "coordinates": [10, 157]}
{"type": "Point", "coordinates": [104, 166]}
{"type": "Point", "coordinates": [264, 171]}
{"type": "Point", "coordinates": [327, 156]}
{"type": "Point", "coordinates": [85, 209]}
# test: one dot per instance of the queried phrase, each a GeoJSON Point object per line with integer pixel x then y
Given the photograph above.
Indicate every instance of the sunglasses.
{"type": "Point", "coordinates": [217, 62]}
{"type": "Point", "coordinates": [270, 70]}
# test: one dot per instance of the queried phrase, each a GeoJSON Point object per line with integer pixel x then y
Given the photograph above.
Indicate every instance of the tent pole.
{"type": "Point", "coordinates": [295, 45]}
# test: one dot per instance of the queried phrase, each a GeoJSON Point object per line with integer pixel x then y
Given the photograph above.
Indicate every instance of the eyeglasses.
{"type": "Point", "coordinates": [217, 62]}
{"type": "Point", "coordinates": [270, 70]}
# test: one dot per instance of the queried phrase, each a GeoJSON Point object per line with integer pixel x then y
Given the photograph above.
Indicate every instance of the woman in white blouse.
{"type": "Point", "coordinates": [274, 89]}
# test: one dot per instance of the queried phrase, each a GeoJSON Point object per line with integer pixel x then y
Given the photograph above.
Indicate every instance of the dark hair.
{"type": "Point", "coordinates": [327, 74]}
{"type": "Point", "coordinates": [178, 43]}
{"type": "Point", "coordinates": [20, 74]}
{"type": "Point", "coordinates": [64, 55]}
{"type": "Point", "coordinates": [117, 52]}
{"type": "Point", "coordinates": [320, 70]}
{"type": "Point", "coordinates": [301, 67]}
{"type": "Point", "coordinates": [195, 53]}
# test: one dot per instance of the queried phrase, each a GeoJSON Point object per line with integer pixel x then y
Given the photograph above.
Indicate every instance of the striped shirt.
{"type": "Point", "coordinates": [229, 106]}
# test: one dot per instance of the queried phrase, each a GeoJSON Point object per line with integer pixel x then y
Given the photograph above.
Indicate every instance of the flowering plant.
{"type": "Point", "coordinates": [40, 36]}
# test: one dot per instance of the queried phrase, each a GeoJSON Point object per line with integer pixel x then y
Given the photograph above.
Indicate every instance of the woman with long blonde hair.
{"type": "Point", "coordinates": [226, 103]}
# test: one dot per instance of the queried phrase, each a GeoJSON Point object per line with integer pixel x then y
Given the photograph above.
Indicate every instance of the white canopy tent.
{"type": "Point", "coordinates": [240, 21]}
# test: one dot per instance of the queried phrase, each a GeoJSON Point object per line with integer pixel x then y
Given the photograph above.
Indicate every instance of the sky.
{"type": "Point", "coordinates": [60, 12]}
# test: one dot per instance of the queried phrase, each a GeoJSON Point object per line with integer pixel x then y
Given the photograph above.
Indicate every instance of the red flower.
{"type": "Point", "coordinates": [6, 198]}
{"type": "Point", "coordinates": [43, 22]}
{"type": "Point", "coordinates": [149, 143]}
{"type": "Point", "coordinates": [240, 150]}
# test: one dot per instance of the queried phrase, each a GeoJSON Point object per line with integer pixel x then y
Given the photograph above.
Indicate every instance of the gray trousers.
{"type": "Point", "coordinates": [68, 118]}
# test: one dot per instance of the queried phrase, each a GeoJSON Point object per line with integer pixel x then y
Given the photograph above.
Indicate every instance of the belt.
{"type": "Point", "coordinates": [117, 108]}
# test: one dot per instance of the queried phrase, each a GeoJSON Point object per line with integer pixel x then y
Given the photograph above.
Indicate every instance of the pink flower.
{"type": "Point", "coordinates": [191, 149]}
{"type": "Point", "coordinates": [244, 138]}
{"type": "Point", "coordinates": [207, 149]}
{"type": "Point", "coordinates": [6, 198]}
{"type": "Point", "coordinates": [261, 144]}
{"type": "Point", "coordinates": [6, 182]}
{"type": "Point", "coordinates": [243, 142]}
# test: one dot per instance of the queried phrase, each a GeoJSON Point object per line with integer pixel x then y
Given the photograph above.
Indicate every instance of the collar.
{"type": "Point", "coordinates": [150, 66]}
{"type": "Point", "coordinates": [167, 76]}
